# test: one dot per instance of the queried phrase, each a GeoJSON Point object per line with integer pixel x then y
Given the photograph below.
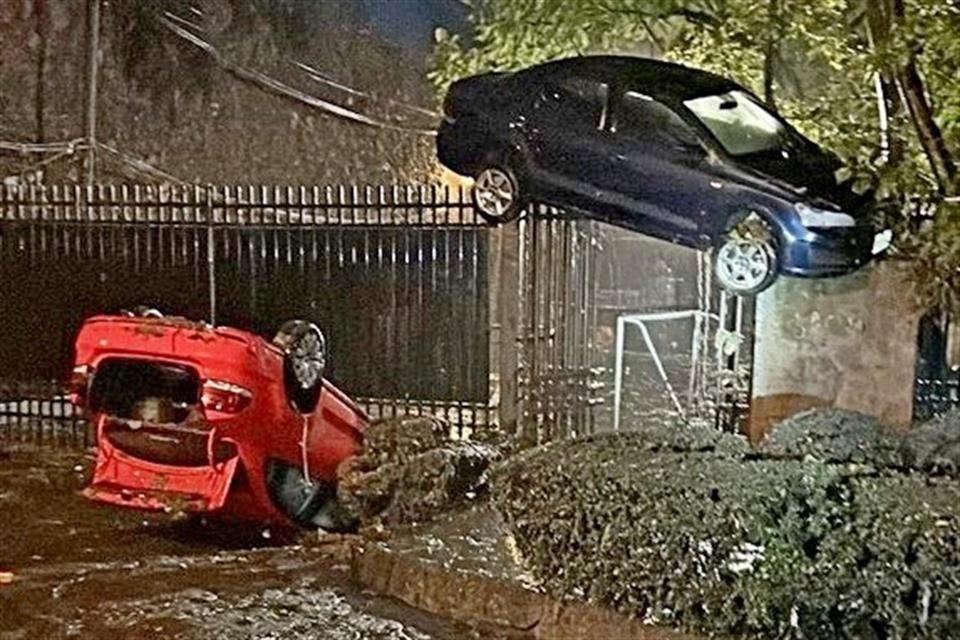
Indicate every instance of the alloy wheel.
{"type": "Point", "coordinates": [308, 359]}
{"type": "Point", "coordinates": [495, 193]}
{"type": "Point", "coordinates": [745, 265]}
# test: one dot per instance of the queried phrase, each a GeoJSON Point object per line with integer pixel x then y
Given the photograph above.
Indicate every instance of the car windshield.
{"type": "Point", "coordinates": [741, 124]}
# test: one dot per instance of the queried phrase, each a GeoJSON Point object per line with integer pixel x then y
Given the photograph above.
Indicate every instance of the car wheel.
{"type": "Point", "coordinates": [308, 503]}
{"type": "Point", "coordinates": [304, 360]}
{"type": "Point", "coordinates": [745, 262]}
{"type": "Point", "coordinates": [496, 194]}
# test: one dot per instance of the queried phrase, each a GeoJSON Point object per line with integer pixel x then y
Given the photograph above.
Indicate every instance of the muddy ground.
{"type": "Point", "coordinates": [80, 570]}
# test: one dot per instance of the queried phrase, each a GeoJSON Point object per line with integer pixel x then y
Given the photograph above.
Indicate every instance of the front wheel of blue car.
{"type": "Point", "coordinates": [745, 264]}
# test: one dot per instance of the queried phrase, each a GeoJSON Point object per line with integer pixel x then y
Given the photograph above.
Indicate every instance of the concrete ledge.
{"type": "Point", "coordinates": [485, 599]}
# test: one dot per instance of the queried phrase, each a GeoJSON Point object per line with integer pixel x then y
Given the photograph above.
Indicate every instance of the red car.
{"type": "Point", "coordinates": [214, 420]}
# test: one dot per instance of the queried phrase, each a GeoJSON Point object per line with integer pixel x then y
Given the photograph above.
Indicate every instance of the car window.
{"type": "Point", "coordinates": [741, 124]}
{"type": "Point", "coordinates": [579, 101]}
{"type": "Point", "coordinates": [640, 117]}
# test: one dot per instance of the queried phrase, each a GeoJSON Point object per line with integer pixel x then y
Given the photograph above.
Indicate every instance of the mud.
{"type": "Point", "coordinates": [412, 470]}
{"type": "Point", "coordinates": [80, 570]}
{"type": "Point", "coordinates": [475, 541]}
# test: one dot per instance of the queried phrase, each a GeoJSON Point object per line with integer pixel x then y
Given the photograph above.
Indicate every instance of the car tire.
{"type": "Point", "coordinates": [496, 193]}
{"type": "Point", "coordinates": [745, 261]}
{"type": "Point", "coordinates": [304, 360]}
{"type": "Point", "coordinates": [308, 503]}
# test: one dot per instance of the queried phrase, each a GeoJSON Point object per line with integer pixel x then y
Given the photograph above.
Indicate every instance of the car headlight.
{"type": "Point", "coordinates": [811, 217]}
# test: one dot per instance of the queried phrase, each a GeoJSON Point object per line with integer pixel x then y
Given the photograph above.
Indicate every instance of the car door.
{"type": "Point", "coordinates": [660, 174]}
{"type": "Point", "coordinates": [566, 134]}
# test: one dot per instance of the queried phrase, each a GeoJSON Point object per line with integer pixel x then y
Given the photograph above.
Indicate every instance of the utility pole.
{"type": "Point", "coordinates": [39, 103]}
{"type": "Point", "coordinates": [93, 67]}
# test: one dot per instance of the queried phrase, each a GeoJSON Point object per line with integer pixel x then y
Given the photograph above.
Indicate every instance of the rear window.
{"type": "Point", "coordinates": [580, 101]}
{"type": "Point", "coordinates": [127, 388]}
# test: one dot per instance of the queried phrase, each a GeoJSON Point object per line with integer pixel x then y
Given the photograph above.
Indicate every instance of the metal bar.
{"type": "Point", "coordinates": [660, 369]}
{"type": "Point", "coordinates": [93, 67]}
{"type": "Point", "coordinates": [618, 373]}
{"type": "Point", "coordinates": [211, 257]}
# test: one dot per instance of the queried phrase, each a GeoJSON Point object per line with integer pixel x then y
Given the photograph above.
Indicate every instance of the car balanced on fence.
{"type": "Point", "coordinates": [664, 149]}
{"type": "Point", "coordinates": [218, 421]}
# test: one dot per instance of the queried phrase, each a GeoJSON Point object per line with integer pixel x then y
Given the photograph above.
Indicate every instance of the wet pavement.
{"type": "Point", "coordinates": [80, 570]}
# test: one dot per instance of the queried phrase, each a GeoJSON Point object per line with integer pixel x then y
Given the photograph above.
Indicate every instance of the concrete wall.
{"type": "Point", "coordinates": [848, 342]}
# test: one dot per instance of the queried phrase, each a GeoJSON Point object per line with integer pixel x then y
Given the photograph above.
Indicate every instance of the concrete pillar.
{"type": "Point", "coordinates": [847, 342]}
{"type": "Point", "coordinates": [504, 291]}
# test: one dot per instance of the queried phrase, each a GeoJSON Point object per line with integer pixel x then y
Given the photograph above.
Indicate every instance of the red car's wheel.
{"type": "Point", "coordinates": [304, 360]}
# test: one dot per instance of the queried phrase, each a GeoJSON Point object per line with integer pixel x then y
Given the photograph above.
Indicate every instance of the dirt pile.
{"type": "Point", "coordinates": [823, 533]}
{"type": "Point", "coordinates": [840, 436]}
{"type": "Point", "coordinates": [411, 470]}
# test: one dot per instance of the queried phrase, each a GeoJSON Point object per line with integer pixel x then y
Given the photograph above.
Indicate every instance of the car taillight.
{"type": "Point", "coordinates": [224, 397]}
{"type": "Point", "coordinates": [79, 383]}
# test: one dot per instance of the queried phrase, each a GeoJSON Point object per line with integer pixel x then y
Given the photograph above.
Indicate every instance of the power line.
{"type": "Point", "coordinates": [68, 146]}
{"type": "Point", "coordinates": [322, 78]}
{"type": "Point", "coordinates": [276, 86]}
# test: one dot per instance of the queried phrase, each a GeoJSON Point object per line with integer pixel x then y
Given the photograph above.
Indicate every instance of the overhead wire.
{"type": "Point", "coordinates": [276, 86]}
{"type": "Point", "coordinates": [322, 78]}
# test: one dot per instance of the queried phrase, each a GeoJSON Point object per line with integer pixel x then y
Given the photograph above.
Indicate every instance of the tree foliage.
{"type": "Point", "coordinates": [872, 80]}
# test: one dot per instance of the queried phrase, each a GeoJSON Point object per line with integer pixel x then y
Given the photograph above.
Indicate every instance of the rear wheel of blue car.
{"type": "Point", "coordinates": [745, 263]}
{"type": "Point", "coordinates": [496, 194]}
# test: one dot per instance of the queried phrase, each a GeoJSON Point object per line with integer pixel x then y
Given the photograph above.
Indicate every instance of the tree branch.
{"type": "Point", "coordinates": [770, 51]}
{"type": "Point", "coordinates": [911, 84]}
{"type": "Point", "coordinates": [693, 16]}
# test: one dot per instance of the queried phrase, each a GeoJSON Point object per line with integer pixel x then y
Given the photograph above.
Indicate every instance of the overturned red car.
{"type": "Point", "coordinates": [214, 420]}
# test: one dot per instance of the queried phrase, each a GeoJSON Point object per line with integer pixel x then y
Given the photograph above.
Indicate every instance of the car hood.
{"type": "Point", "coordinates": [808, 174]}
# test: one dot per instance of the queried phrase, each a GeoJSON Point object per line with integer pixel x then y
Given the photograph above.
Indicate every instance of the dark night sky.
{"type": "Point", "coordinates": [410, 23]}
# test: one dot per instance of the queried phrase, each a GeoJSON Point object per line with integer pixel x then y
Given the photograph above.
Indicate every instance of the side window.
{"type": "Point", "coordinates": [640, 117]}
{"type": "Point", "coordinates": [579, 101]}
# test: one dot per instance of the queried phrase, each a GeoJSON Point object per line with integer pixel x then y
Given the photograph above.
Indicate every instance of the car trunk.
{"type": "Point", "coordinates": [151, 411]}
{"type": "Point", "coordinates": [476, 94]}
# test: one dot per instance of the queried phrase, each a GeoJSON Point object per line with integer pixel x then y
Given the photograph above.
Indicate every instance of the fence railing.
{"type": "Point", "coordinates": [397, 277]}
{"type": "Point", "coordinates": [932, 397]}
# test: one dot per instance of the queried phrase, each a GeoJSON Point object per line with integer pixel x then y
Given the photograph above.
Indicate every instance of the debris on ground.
{"type": "Point", "coordinates": [302, 610]}
{"type": "Point", "coordinates": [795, 540]}
{"type": "Point", "coordinates": [411, 470]}
{"type": "Point", "coordinates": [842, 436]}
{"type": "Point", "coordinates": [83, 571]}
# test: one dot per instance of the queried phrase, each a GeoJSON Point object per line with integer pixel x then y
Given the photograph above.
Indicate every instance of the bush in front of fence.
{"type": "Point", "coordinates": [691, 529]}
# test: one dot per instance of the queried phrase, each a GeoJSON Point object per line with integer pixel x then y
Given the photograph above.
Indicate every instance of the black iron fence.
{"type": "Point", "coordinates": [932, 397]}
{"type": "Point", "coordinates": [558, 370]}
{"type": "Point", "coordinates": [397, 278]}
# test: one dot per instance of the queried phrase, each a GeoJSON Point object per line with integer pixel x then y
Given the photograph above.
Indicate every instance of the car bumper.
{"type": "Point", "coordinates": [124, 480]}
{"type": "Point", "coordinates": [824, 253]}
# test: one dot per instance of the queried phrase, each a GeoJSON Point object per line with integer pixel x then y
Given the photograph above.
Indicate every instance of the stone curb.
{"type": "Point", "coordinates": [475, 599]}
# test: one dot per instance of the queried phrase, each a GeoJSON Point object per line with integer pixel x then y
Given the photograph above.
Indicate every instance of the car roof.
{"type": "Point", "coordinates": [657, 78]}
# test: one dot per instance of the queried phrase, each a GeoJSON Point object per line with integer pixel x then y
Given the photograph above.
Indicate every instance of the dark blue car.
{"type": "Point", "coordinates": [667, 150]}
